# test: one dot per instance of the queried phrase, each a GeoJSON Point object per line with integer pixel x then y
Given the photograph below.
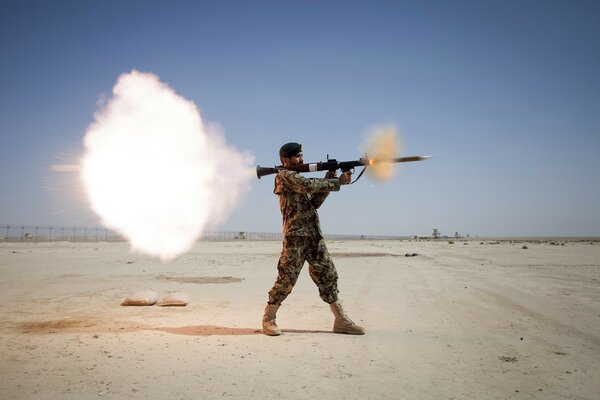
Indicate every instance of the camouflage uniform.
{"type": "Point", "coordinates": [299, 198]}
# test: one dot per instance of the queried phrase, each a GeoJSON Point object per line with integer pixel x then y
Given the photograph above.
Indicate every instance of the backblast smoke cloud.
{"type": "Point", "coordinates": [155, 172]}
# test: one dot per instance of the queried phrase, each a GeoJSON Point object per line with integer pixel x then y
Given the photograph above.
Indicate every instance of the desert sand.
{"type": "Point", "coordinates": [477, 319]}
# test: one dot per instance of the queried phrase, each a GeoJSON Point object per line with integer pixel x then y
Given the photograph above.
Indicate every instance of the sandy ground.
{"type": "Point", "coordinates": [474, 320]}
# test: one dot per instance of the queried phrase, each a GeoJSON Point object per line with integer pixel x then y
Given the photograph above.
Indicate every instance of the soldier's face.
{"type": "Point", "coordinates": [292, 161]}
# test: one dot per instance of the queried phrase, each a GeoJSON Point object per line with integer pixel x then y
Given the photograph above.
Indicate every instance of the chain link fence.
{"type": "Point", "coordinates": [30, 233]}
{"type": "Point", "coordinates": [35, 234]}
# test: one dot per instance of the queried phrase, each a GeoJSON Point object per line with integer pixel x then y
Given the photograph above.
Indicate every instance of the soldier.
{"type": "Point", "coordinates": [299, 198]}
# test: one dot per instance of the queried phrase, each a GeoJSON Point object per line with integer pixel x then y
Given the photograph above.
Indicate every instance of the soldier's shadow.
{"type": "Point", "coordinates": [210, 330]}
{"type": "Point", "coordinates": [304, 331]}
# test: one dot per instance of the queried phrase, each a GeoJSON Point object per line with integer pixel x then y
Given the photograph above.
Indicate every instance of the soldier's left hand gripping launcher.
{"type": "Point", "coordinates": [333, 165]}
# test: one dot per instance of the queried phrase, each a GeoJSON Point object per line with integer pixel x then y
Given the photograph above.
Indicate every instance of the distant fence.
{"type": "Point", "coordinates": [35, 234]}
{"type": "Point", "coordinates": [29, 233]}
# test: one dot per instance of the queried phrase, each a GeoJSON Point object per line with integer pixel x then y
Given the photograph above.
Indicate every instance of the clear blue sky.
{"type": "Point", "coordinates": [504, 94]}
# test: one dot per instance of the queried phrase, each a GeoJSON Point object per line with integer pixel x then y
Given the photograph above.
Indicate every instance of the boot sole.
{"type": "Point", "coordinates": [347, 332]}
{"type": "Point", "coordinates": [270, 333]}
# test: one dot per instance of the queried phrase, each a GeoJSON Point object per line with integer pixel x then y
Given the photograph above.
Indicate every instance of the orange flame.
{"type": "Point", "coordinates": [382, 143]}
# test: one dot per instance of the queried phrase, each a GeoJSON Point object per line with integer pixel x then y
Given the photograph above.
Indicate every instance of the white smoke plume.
{"type": "Point", "coordinates": [154, 172]}
{"type": "Point", "coordinates": [382, 142]}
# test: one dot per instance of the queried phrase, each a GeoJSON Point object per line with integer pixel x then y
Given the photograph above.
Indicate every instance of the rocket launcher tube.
{"type": "Point", "coordinates": [332, 165]}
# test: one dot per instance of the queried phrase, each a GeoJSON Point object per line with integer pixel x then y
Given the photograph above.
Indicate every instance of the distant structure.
{"type": "Point", "coordinates": [435, 235]}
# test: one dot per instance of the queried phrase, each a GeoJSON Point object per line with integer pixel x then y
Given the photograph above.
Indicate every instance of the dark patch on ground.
{"type": "Point", "coordinates": [54, 326]}
{"type": "Point", "coordinates": [97, 326]}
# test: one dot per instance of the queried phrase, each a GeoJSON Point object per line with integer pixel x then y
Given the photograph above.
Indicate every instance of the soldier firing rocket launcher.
{"type": "Point", "coordinates": [332, 165]}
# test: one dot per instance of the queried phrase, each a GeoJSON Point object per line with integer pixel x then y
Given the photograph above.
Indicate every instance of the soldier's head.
{"type": "Point", "coordinates": [290, 154]}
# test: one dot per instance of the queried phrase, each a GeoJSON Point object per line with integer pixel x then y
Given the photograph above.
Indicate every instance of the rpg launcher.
{"type": "Point", "coordinates": [333, 165]}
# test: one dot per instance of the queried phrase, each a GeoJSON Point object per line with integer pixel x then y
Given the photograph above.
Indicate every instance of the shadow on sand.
{"type": "Point", "coordinates": [208, 330]}
{"type": "Point", "coordinates": [93, 325]}
{"type": "Point", "coordinates": [304, 331]}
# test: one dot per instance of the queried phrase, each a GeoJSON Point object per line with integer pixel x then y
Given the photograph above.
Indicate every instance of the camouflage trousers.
{"type": "Point", "coordinates": [296, 250]}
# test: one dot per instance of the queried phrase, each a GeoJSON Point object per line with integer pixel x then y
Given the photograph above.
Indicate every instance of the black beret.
{"type": "Point", "coordinates": [290, 150]}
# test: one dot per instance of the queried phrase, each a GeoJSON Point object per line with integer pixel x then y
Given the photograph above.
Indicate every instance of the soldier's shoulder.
{"type": "Point", "coordinates": [286, 172]}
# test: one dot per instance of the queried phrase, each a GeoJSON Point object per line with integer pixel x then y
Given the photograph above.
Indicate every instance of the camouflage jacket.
{"type": "Point", "coordinates": [299, 198]}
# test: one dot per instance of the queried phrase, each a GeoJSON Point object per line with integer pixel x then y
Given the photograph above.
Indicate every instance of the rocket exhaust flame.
{"type": "Point", "coordinates": [382, 143]}
{"type": "Point", "coordinates": [154, 172]}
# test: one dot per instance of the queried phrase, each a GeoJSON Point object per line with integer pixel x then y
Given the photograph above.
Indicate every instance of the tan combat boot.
{"type": "Point", "coordinates": [342, 323]}
{"type": "Point", "coordinates": [269, 326]}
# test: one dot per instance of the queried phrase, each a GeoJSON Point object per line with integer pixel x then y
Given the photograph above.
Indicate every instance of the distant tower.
{"type": "Point", "coordinates": [436, 233]}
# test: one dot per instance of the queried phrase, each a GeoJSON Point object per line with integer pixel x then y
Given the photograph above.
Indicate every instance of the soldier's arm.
{"type": "Point", "coordinates": [300, 184]}
{"type": "Point", "coordinates": [318, 199]}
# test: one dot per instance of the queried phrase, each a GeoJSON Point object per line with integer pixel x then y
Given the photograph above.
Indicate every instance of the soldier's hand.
{"type": "Point", "coordinates": [345, 178]}
{"type": "Point", "coordinates": [331, 174]}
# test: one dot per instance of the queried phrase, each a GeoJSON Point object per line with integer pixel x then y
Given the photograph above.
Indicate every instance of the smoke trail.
{"type": "Point", "coordinates": [382, 142]}
{"type": "Point", "coordinates": [155, 172]}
